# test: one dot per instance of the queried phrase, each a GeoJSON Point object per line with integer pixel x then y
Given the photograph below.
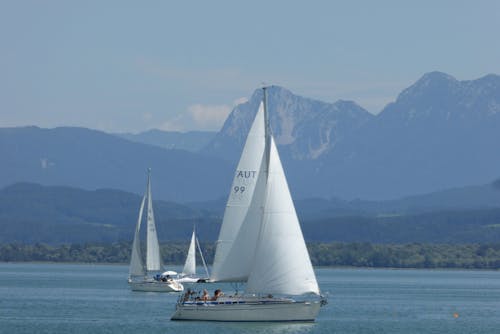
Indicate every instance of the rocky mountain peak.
{"type": "Point", "coordinates": [432, 84]}
{"type": "Point", "coordinates": [441, 97]}
{"type": "Point", "coordinates": [303, 127]}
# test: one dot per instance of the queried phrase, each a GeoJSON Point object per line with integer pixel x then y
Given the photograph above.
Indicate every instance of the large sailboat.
{"type": "Point", "coordinates": [260, 243]}
{"type": "Point", "coordinates": [188, 274]}
{"type": "Point", "coordinates": [149, 277]}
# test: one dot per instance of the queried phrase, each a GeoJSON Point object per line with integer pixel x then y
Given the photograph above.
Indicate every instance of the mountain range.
{"type": "Point", "coordinates": [439, 133]}
{"type": "Point", "coordinates": [303, 128]}
{"type": "Point", "coordinates": [90, 159]}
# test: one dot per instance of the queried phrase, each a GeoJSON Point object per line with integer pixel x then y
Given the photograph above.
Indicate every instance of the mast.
{"type": "Point", "coordinates": [267, 133]}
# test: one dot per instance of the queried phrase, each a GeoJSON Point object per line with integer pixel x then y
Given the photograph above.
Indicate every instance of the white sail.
{"type": "Point", "coordinates": [153, 260]}
{"type": "Point", "coordinates": [282, 264]}
{"type": "Point", "coordinates": [141, 277]}
{"type": "Point", "coordinates": [136, 265]}
{"type": "Point", "coordinates": [261, 243]}
{"type": "Point", "coordinates": [190, 265]}
{"type": "Point", "coordinates": [240, 226]}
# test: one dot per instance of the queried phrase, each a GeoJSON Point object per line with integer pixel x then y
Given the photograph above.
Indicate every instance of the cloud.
{"type": "Point", "coordinates": [208, 116]}
{"type": "Point", "coordinates": [199, 117]}
{"type": "Point", "coordinates": [241, 100]}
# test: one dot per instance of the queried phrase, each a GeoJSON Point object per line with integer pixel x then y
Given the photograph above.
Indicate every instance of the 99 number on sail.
{"type": "Point", "coordinates": [239, 189]}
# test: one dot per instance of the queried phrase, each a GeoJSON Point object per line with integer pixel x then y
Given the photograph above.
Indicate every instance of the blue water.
{"type": "Point", "coordinates": [67, 298]}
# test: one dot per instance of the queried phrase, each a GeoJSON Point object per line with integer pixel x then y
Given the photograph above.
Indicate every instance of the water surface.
{"type": "Point", "coordinates": [69, 298]}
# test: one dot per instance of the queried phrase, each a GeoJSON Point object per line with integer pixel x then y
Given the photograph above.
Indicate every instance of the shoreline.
{"type": "Point", "coordinates": [329, 255]}
{"type": "Point", "coordinates": [123, 264]}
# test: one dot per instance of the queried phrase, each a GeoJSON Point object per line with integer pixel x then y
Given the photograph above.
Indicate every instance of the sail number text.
{"type": "Point", "coordinates": [239, 189]}
{"type": "Point", "coordinates": [246, 174]}
{"type": "Point", "coordinates": [246, 177]}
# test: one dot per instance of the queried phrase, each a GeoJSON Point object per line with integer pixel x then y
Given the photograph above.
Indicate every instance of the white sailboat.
{"type": "Point", "coordinates": [188, 274]}
{"type": "Point", "coordinates": [260, 243]}
{"type": "Point", "coordinates": [148, 277]}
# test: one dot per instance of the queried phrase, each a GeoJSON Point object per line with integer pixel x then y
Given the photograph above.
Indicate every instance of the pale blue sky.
{"type": "Point", "coordinates": [135, 65]}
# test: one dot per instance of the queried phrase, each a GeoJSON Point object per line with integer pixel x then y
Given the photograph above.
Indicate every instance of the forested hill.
{"type": "Point", "coordinates": [31, 213]}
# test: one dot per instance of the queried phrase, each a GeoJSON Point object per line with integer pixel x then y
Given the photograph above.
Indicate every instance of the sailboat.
{"type": "Point", "coordinates": [260, 243]}
{"type": "Point", "coordinates": [149, 277]}
{"type": "Point", "coordinates": [188, 274]}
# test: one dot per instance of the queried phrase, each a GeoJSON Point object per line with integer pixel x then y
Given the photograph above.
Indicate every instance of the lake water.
{"type": "Point", "coordinates": [67, 298]}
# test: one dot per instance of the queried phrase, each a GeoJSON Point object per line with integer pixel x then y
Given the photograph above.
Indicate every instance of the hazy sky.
{"type": "Point", "coordinates": [182, 65]}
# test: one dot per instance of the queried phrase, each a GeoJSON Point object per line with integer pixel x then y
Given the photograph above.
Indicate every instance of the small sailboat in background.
{"type": "Point", "coordinates": [149, 277]}
{"type": "Point", "coordinates": [188, 274]}
{"type": "Point", "coordinates": [260, 243]}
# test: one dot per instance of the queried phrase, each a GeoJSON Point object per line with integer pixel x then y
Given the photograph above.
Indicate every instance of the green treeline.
{"type": "Point", "coordinates": [415, 255]}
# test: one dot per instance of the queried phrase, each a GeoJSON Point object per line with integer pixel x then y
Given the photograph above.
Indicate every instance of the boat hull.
{"type": "Point", "coordinates": [248, 311]}
{"type": "Point", "coordinates": [156, 286]}
{"type": "Point", "coordinates": [188, 279]}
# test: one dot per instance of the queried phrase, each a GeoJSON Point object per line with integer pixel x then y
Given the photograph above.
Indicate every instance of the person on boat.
{"type": "Point", "coordinates": [204, 297]}
{"type": "Point", "coordinates": [188, 295]}
{"type": "Point", "coordinates": [217, 293]}
{"type": "Point", "coordinates": [166, 278]}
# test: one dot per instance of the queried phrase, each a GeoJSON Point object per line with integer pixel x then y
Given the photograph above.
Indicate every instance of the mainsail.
{"type": "Point", "coordinates": [282, 264]}
{"type": "Point", "coordinates": [153, 260]}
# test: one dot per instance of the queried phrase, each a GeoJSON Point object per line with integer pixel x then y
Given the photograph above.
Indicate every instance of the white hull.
{"type": "Point", "coordinates": [156, 286]}
{"type": "Point", "coordinates": [189, 279]}
{"type": "Point", "coordinates": [283, 310]}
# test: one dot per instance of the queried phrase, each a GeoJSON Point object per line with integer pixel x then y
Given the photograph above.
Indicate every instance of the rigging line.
{"type": "Point", "coordinates": [202, 258]}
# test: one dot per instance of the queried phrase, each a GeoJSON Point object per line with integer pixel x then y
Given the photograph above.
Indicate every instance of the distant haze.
{"type": "Point", "coordinates": [128, 66]}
